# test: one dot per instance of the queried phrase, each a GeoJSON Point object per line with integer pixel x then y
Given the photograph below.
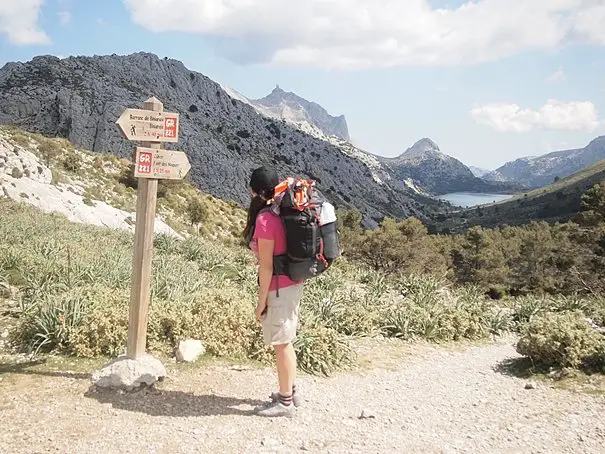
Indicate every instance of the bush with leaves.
{"type": "Point", "coordinates": [428, 310]}
{"type": "Point", "coordinates": [197, 210]}
{"type": "Point", "coordinates": [49, 150]}
{"type": "Point", "coordinates": [322, 349]}
{"type": "Point", "coordinates": [397, 247]}
{"type": "Point", "coordinates": [561, 340]}
{"type": "Point", "coordinates": [127, 178]}
{"type": "Point", "coordinates": [71, 162]}
{"type": "Point", "coordinates": [593, 205]}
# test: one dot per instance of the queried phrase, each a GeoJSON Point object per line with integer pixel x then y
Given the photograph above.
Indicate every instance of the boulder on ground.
{"type": "Point", "coordinates": [189, 350]}
{"type": "Point", "coordinates": [127, 374]}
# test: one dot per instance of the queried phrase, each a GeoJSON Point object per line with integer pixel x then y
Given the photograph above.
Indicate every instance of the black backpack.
{"type": "Point", "coordinates": [312, 240]}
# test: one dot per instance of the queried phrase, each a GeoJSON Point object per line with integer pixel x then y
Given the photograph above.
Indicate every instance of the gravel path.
{"type": "Point", "coordinates": [433, 401]}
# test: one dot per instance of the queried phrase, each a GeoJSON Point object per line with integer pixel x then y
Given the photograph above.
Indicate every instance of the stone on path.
{"type": "Point", "coordinates": [127, 374]}
{"type": "Point", "coordinates": [190, 350]}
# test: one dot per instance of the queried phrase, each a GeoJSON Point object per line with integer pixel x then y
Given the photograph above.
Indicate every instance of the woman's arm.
{"type": "Point", "coordinates": [265, 273]}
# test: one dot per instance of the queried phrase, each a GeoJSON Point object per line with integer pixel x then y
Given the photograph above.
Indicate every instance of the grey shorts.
{"type": "Point", "coordinates": [281, 319]}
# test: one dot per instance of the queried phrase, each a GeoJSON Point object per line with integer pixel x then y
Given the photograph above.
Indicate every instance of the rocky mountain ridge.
{"type": "Point", "coordinates": [308, 116]}
{"type": "Point", "coordinates": [479, 171]}
{"type": "Point", "coordinates": [438, 173]}
{"type": "Point", "coordinates": [423, 168]}
{"type": "Point", "coordinates": [542, 170]}
{"type": "Point", "coordinates": [80, 98]}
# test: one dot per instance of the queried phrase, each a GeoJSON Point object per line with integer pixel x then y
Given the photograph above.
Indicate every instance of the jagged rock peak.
{"type": "Point", "coordinates": [295, 109]}
{"type": "Point", "coordinates": [422, 148]}
{"type": "Point", "coordinates": [425, 144]}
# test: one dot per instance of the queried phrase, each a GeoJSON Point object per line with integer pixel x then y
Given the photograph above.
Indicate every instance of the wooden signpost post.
{"type": "Point", "coordinates": [152, 126]}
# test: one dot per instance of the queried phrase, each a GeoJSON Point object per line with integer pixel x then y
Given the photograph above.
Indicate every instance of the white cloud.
{"type": "Point", "coordinates": [64, 17]}
{"type": "Point", "coordinates": [353, 34]}
{"type": "Point", "coordinates": [557, 76]}
{"type": "Point", "coordinates": [589, 22]}
{"type": "Point", "coordinates": [554, 115]}
{"type": "Point", "coordinates": [19, 22]}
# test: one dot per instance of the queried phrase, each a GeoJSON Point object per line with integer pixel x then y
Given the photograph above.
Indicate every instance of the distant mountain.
{"type": "Point", "coordinates": [283, 105]}
{"type": "Point", "coordinates": [478, 171]}
{"type": "Point", "coordinates": [422, 168]}
{"type": "Point", "coordinates": [379, 170]}
{"type": "Point", "coordinates": [80, 98]}
{"type": "Point", "coordinates": [439, 173]}
{"type": "Point", "coordinates": [542, 170]}
{"type": "Point", "coordinates": [556, 202]}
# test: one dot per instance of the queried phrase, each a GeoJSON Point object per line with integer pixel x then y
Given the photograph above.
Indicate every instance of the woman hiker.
{"type": "Point", "coordinates": [278, 306]}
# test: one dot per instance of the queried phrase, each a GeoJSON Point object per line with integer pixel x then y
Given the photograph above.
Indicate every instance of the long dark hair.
{"type": "Point", "coordinates": [262, 182]}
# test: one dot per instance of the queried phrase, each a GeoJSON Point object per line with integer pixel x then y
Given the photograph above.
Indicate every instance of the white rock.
{"type": "Point", "coordinates": [35, 181]}
{"type": "Point", "coordinates": [127, 374]}
{"type": "Point", "coordinates": [190, 350]}
{"type": "Point", "coordinates": [25, 162]}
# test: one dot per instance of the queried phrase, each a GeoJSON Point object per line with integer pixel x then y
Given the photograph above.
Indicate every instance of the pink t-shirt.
{"type": "Point", "coordinates": [270, 227]}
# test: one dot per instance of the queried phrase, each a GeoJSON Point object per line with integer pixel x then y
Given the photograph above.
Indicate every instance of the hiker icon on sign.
{"type": "Point", "coordinates": [133, 130]}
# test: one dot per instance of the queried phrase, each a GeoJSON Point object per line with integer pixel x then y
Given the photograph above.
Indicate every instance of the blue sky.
{"type": "Point", "coordinates": [488, 82]}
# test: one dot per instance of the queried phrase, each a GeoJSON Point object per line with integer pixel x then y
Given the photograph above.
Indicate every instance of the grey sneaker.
{"type": "Point", "coordinates": [296, 399]}
{"type": "Point", "coordinates": [276, 409]}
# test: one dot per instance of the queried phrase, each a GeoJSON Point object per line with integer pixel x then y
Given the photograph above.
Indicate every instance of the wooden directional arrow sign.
{"type": "Point", "coordinates": [149, 126]}
{"type": "Point", "coordinates": [161, 164]}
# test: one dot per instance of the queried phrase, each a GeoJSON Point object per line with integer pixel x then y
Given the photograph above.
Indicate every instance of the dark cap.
{"type": "Point", "coordinates": [263, 181]}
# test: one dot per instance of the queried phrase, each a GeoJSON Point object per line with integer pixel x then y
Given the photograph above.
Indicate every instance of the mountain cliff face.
{"type": "Point", "coordinates": [80, 98]}
{"type": "Point", "coordinates": [437, 172]}
{"type": "Point", "coordinates": [290, 107]}
{"type": "Point", "coordinates": [539, 171]}
{"type": "Point", "coordinates": [478, 171]}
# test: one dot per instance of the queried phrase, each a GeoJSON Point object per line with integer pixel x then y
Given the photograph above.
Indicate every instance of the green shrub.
{"type": "Point", "coordinates": [71, 162]}
{"type": "Point", "coordinates": [104, 329]}
{"type": "Point", "coordinates": [350, 315]}
{"type": "Point", "coordinates": [436, 314]}
{"type": "Point", "coordinates": [49, 150]}
{"type": "Point", "coordinates": [52, 323]}
{"type": "Point", "coordinates": [127, 178]}
{"type": "Point", "coordinates": [196, 210]}
{"type": "Point", "coordinates": [526, 308]}
{"type": "Point", "coordinates": [501, 321]}
{"type": "Point", "coordinates": [166, 244]}
{"type": "Point", "coordinates": [596, 311]}
{"type": "Point", "coordinates": [562, 340]}
{"type": "Point", "coordinates": [570, 303]}
{"type": "Point", "coordinates": [323, 350]}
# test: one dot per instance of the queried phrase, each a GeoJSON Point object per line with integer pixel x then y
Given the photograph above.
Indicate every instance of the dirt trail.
{"type": "Point", "coordinates": [435, 401]}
